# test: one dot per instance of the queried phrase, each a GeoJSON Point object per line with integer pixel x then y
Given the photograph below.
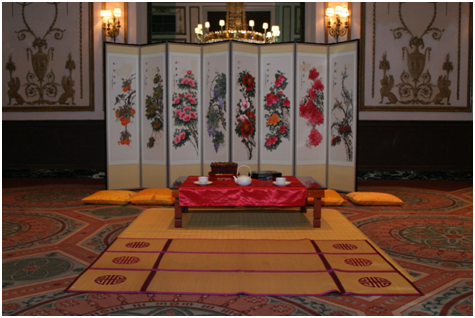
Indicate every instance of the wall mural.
{"type": "Point", "coordinates": [431, 71]}
{"type": "Point", "coordinates": [47, 69]}
{"type": "Point", "coordinates": [198, 114]}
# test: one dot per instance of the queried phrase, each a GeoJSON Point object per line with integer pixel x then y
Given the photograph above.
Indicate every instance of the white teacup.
{"type": "Point", "coordinates": [202, 179]}
{"type": "Point", "coordinates": [280, 180]}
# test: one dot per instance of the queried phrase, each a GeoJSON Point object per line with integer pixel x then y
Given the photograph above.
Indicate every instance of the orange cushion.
{"type": "Point", "coordinates": [331, 198]}
{"type": "Point", "coordinates": [154, 196]}
{"type": "Point", "coordinates": [373, 198]}
{"type": "Point", "coordinates": [109, 197]}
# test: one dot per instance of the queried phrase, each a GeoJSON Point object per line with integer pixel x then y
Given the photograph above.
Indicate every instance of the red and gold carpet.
{"type": "Point", "coordinates": [50, 237]}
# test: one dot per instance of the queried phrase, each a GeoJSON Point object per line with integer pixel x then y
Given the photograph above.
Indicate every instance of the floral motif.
{"type": "Point", "coordinates": [246, 112]}
{"type": "Point", "coordinates": [277, 118]}
{"type": "Point", "coordinates": [185, 112]}
{"type": "Point", "coordinates": [217, 110]}
{"type": "Point", "coordinates": [341, 127]}
{"type": "Point", "coordinates": [154, 109]}
{"type": "Point", "coordinates": [312, 108]}
{"type": "Point", "coordinates": [125, 112]}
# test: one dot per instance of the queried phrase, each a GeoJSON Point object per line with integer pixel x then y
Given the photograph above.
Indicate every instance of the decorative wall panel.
{"type": "Point", "coordinates": [47, 55]}
{"type": "Point", "coordinates": [122, 116]}
{"type": "Point", "coordinates": [431, 70]}
{"type": "Point", "coordinates": [215, 104]}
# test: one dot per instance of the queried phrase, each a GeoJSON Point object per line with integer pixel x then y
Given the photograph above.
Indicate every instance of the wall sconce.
{"type": "Point", "coordinates": [335, 26]}
{"type": "Point", "coordinates": [111, 24]}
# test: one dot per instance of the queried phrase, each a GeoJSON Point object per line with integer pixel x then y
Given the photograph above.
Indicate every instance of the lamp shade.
{"type": "Point", "coordinates": [251, 23]}
{"type": "Point", "coordinates": [207, 25]}
{"type": "Point", "coordinates": [265, 25]}
{"type": "Point", "coordinates": [330, 12]}
{"type": "Point", "coordinates": [105, 13]}
{"type": "Point", "coordinates": [117, 12]}
{"type": "Point", "coordinates": [221, 23]}
{"type": "Point", "coordinates": [338, 9]}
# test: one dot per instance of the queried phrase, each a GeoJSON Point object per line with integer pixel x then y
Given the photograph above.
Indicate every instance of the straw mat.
{"type": "Point", "coordinates": [244, 251]}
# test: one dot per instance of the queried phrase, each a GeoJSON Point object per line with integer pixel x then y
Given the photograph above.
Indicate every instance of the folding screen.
{"type": "Point", "coordinates": [343, 60]}
{"type": "Point", "coordinates": [287, 107]}
{"type": "Point", "coordinates": [153, 116]}
{"type": "Point", "coordinates": [184, 109]}
{"type": "Point", "coordinates": [245, 79]}
{"type": "Point", "coordinates": [277, 108]}
{"type": "Point", "coordinates": [122, 116]}
{"type": "Point", "coordinates": [216, 128]}
{"type": "Point", "coordinates": [311, 135]}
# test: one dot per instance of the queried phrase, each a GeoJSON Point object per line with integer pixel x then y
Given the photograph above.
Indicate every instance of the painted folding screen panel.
{"type": "Point", "coordinates": [343, 91]}
{"type": "Point", "coordinates": [311, 140]}
{"type": "Point", "coordinates": [244, 115]}
{"type": "Point", "coordinates": [153, 116]}
{"type": "Point", "coordinates": [216, 128]}
{"type": "Point", "coordinates": [122, 116]}
{"type": "Point", "coordinates": [185, 110]}
{"type": "Point", "coordinates": [277, 107]}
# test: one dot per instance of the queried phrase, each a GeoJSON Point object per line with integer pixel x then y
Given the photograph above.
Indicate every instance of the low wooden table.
{"type": "Point", "coordinates": [314, 190]}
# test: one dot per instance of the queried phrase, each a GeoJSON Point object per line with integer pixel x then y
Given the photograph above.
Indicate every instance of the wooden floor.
{"type": "Point", "coordinates": [442, 185]}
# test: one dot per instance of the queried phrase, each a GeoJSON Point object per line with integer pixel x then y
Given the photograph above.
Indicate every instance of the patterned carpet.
{"type": "Point", "coordinates": [50, 236]}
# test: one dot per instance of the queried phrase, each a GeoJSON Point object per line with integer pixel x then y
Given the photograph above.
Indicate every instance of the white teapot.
{"type": "Point", "coordinates": [243, 179]}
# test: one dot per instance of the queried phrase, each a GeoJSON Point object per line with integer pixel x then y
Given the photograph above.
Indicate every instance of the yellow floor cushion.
{"type": "Point", "coordinates": [373, 198]}
{"type": "Point", "coordinates": [154, 196]}
{"type": "Point", "coordinates": [331, 198]}
{"type": "Point", "coordinates": [109, 197]}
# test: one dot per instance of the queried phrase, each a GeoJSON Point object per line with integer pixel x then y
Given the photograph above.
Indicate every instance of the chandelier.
{"type": "Point", "coordinates": [237, 28]}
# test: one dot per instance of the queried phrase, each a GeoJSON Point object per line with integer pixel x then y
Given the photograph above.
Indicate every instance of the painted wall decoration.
{"type": "Point", "coordinates": [47, 69]}
{"type": "Point", "coordinates": [216, 103]}
{"type": "Point", "coordinates": [289, 107]}
{"type": "Point", "coordinates": [244, 103]}
{"type": "Point", "coordinates": [277, 105]}
{"type": "Point", "coordinates": [431, 71]}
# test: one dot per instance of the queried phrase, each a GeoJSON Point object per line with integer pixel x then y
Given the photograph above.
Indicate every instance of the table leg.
{"type": "Point", "coordinates": [178, 216]}
{"type": "Point", "coordinates": [303, 208]}
{"type": "Point", "coordinates": [317, 212]}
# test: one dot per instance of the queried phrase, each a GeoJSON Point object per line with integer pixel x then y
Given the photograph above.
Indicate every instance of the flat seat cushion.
{"type": "Point", "coordinates": [159, 196]}
{"type": "Point", "coordinates": [331, 198]}
{"type": "Point", "coordinates": [373, 198]}
{"type": "Point", "coordinates": [109, 197]}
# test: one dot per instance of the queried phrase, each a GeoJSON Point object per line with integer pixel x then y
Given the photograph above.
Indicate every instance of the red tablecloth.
{"type": "Point", "coordinates": [229, 193]}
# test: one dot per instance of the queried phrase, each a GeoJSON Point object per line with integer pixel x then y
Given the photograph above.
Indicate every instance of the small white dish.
{"type": "Point", "coordinates": [203, 183]}
{"type": "Point", "coordinates": [286, 183]}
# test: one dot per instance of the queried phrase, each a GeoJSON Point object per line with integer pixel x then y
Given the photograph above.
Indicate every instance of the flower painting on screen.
{"type": "Point", "coordinates": [216, 116]}
{"type": "Point", "coordinates": [343, 113]}
{"type": "Point", "coordinates": [246, 112]}
{"type": "Point", "coordinates": [154, 109]}
{"type": "Point", "coordinates": [312, 108]}
{"type": "Point", "coordinates": [185, 115]}
{"type": "Point", "coordinates": [277, 108]}
{"type": "Point", "coordinates": [125, 112]}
